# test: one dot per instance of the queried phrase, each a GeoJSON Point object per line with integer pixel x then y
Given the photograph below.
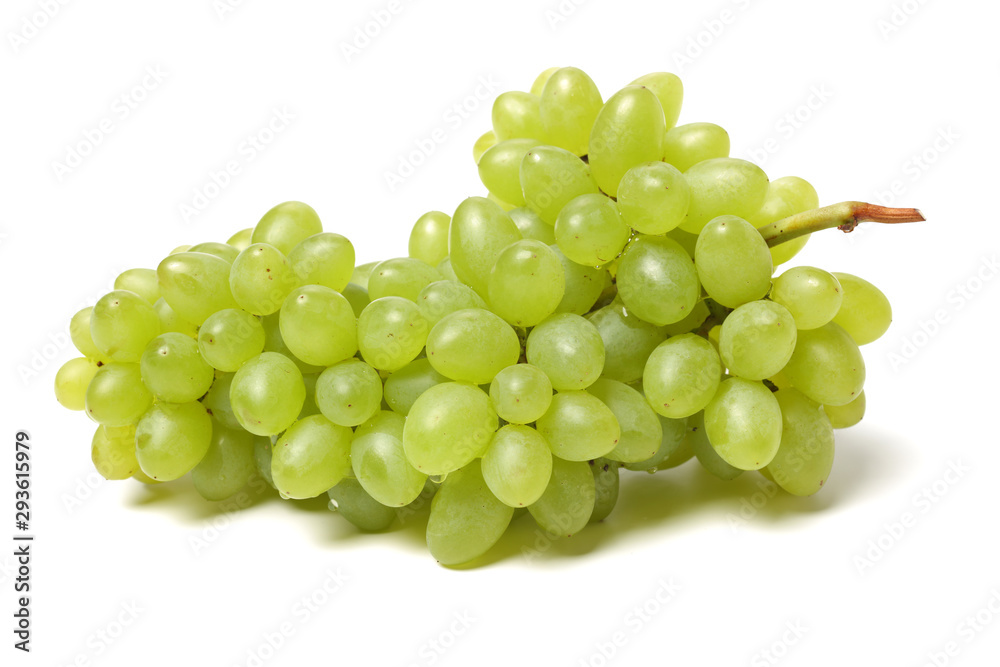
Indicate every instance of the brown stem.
{"type": "Point", "coordinates": [845, 216]}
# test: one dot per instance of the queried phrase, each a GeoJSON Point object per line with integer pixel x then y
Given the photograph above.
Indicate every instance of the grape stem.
{"type": "Point", "coordinates": [845, 216]}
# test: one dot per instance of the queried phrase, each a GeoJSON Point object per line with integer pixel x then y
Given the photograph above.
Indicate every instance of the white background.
{"type": "Point", "coordinates": [923, 91]}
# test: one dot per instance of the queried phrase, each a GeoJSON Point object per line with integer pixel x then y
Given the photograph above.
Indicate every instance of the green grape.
{"type": "Point", "coordinates": [113, 452]}
{"type": "Point", "coordinates": [681, 455]}
{"type": "Point", "coordinates": [402, 276]}
{"type": "Point", "coordinates": [267, 394]}
{"type": "Point", "coordinates": [286, 225]}
{"type": "Point", "coordinates": [273, 342]}
{"type": "Point", "coordinates": [121, 325]}
{"type": "Point", "coordinates": [668, 90]}
{"type": "Point", "coordinates": [584, 285]}
{"type": "Point", "coordinates": [697, 440]}
{"type": "Point", "coordinates": [391, 333]}
{"type": "Point", "coordinates": [681, 376]}
{"type": "Point", "coordinates": [865, 313]}
{"type": "Point", "coordinates": [380, 463]}
{"type": "Point", "coordinates": [311, 457]}
{"type": "Point", "coordinates": [531, 225]}
{"type": "Point", "coordinates": [262, 454]}
{"type": "Point", "coordinates": [179, 249]}
{"type": "Point", "coordinates": [448, 426]}
{"type": "Point", "coordinates": [813, 296]}
{"type": "Point", "coordinates": [569, 499]}
{"type": "Point", "coordinates": [579, 427]}
{"type": "Point", "coordinates": [142, 477]}
{"type": "Point", "coordinates": [485, 141]}
{"type": "Point", "coordinates": [172, 438]}
{"type": "Point", "coordinates": [79, 333]}
{"type": "Point", "coordinates": [350, 500]}
{"type": "Point", "coordinates": [521, 393]}
{"type": "Point", "coordinates": [357, 297]}
{"type": "Point", "coordinates": [692, 321]}
{"type": "Point", "coordinates": [552, 177]}
{"type": "Point", "coordinates": [590, 231]}
{"type": "Point", "coordinates": [241, 239]}
{"type": "Point", "coordinates": [657, 281]}
{"type": "Point", "coordinates": [170, 322]}
{"type": "Point", "coordinates": [568, 349]}
{"type": "Point", "coordinates": [723, 186]}
{"type": "Point", "coordinates": [628, 131]}
{"type": "Point", "coordinates": [605, 473]}
{"type": "Point", "coordinates": [309, 405]}
{"type": "Point", "coordinates": [743, 423]}
{"type": "Point", "coordinates": [845, 416]}
{"type": "Point", "coordinates": [349, 393]}
{"type": "Point", "coordinates": [670, 452]}
{"type": "Point", "coordinates": [805, 458]}
{"type": "Point", "coordinates": [733, 262]}
{"type": "Point", "coordinates": [444, 268]}
{"type": "Point", "coordinates": [757, 340]}
{"type": "Point", "coordinates": [541, 80]}
{"type": "Point", "coordinates": [517, 465]}
{"type": "Point", "coordinates": [228, 465]}
{"type": "Point", "coordinates": [72, 380]}
{"type": "Point", "coordinates": [445, 297]}
{"type": "Point", "coordinates": [527, 283]}
{"type": "Point", "coordinates": [173, 370]}
{"type": "Point", "coordinates": [628, 341]}
{"type": "Point", "coordinates": [570, 102]}
{"type": "Point", "coordinates": [140, 281]}
{"type": "Point", "coordinates": [220, 250]}
{"type": "Point", "coordinates": [517, 115]}
{"type": "Point", "coordinates": [361, 273]}
{"type": "Point", "coordinates": [653, 198]}
{"type": "Point", "coordinates": [217, 401]}
{"type": "Point", "coordinates": [641, 431]}
{"type": "Point", "coordinates": [325, 259]}
{"type": "Point", "coordinates": [500, 169]}
{"type": "Point", "coordinates": [261, 278]}
{"type": "Point", "coordinates": [480, 230]}
{"type": "Point", "coordinates": [116, 395]}
{"type": "Point", "coordinates": [686, 145]}
{"type": "Point", "coordinates": [429, 237]}
{"type": "Point", "coordinates": [195, 285]}
{"type": "Point", "coordinates": [229, 338]}
{"type": "Point", "coordinates": [466, 518]}
{"type": "Point", "coordinates": [403, 387]}
{"type": "Point", "coordinates": [318, 325]}
{"type": "Point", "coordinates": [472, 345]}
{"type": "Point", "coordinates": [687, 240]}
{"type": "Point", "coordinates": [827, 366]}
{"type": "Point", "coordinates": [785, 196]}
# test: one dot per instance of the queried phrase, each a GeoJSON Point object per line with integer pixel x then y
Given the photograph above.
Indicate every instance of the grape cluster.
{"type": "Point", "coordinates": [610, 304]}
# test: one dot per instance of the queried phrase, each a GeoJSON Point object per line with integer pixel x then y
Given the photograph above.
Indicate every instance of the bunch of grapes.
{"type": "Point", "coordinates": [611, 304]}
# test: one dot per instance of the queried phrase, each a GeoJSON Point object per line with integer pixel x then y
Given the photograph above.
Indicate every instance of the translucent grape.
{"type": "Point", "coordinates": [171, 322]}
{"type": "Point", "coordinates": [681, 376]}
{"type": "Point", "coordinates": [262, 454]}
{"type": "Point", "coordinates": [361, 273]}
{"type": "Point", "coordinates": [220, 250]}
{"type": "Point", "coordinates": [116, 395]}
{"type": "Point", "coordinates": [349, 393]}
{"type": "Point", "coordinates": [230, 338]}
{"type": "Point", "coordinates": [723, 186]}
{"type": "Point", "coordinates": [733, 261]}
{"type": "Point", "coordinates": [569, 105]}
{"type": "Point", "coordinates": [404, 386]}
{"type": "Point", "coordinates": [606, 484]}
{"type": "Point", "coordinates": [72, 380]}
{"type": "Point", "coordinates": [865, 313]}
{"type": "Point", "coordinates": [380, 463]}
{"type": "Point", "coordinates": [686, 145]}
{"type": "Point", "coordinates": [827, 366]}
{"type": "Point", "coordinates": [241, 239]}
{"type": "Point", "coordinates": [641, 431]}
{"type": "Point", "coordinates": [273, 342]}
{"type": "Point", "coordinates": [531, 225]}
{"type": "Point", "coordinates": [267, 394]}
{"type": "Point", "coordinates": [805, 458]}
{"type": "Point", "coordinates": [708, 457]}
{"type": "Point", "coordinates": [444, 268]}
{"type": "Point", "coordinates": [568, 502]}
{"type": "Point", "coordinates": [121, 325]}
{"type": "Point", "coordinates": [325, 259]}
{"type": "Point", "coordinates": [480, 230]}
{"type": "Point", "coordinates": [472, 345]}
{"type": "Point", "coordinates": [590, 231]}
{"type": "Point", "coordinates": [195, 285]}
{"type": "Point", "coordinates": [579, 427]}
{"type": "Point", "coordinates": [311, 457]}
{"type": "Point", "coordinates": [628, 341]}
{"type": "Point", "coordinates": [691, 321]}
{"type": "Point", "coordinates": [446, 297]}
{"type": "Point", "coordinates": [657, 281]}
{"type": "Point", "coordinates": [668, 90]}
{"type": "Point", "coordinates": [309, 406]}
{"type": "Point", "coordinates": [261, 278]}
{"type": "Point", "coordinates": [568, 349]}
{"type": "Point", "coordinates": [500, 169]}
{"type": "Point", "coordinates": [517, 115]}
{"type": "Point", "coordinates": [485, 141]}
{"type": "Point", "coordinates": [813, 296]}
{"type": "Point", "coordinates": [541, 80]}
{"type": "Point", "coordinates": [357, 297]}
{"type": "Point", "coordinates": [466, 518]}
{"type": "Point", "coordinates": [845, 416]}
{"type": "Point", "coordinates": [584, 285]}
{"type": "Point", "coordinates": [517, 465]}
{"type": "Point", "coordinates": [743, 423]}
{"type": "Point", "coordinates": [552, 177]}
{"type": "Point", "coordinates": [318, 325]}
{"type": "Point", "coordinates": [675, 432]}
{"type": "Point", "coordinates": [113, 452]}
{"type": "Point", "coordinates": [402, 276]}
{"type": "Point", "coordinates": [527, 283]}
{"type": "Point", "coordinates": [785, 196]}
{"type": "Point", "coordinates": [686, 240]}
{"type": "Point", "coordinates": [172, 438]}
{"type": "Point", "coordinates": [757, 340]}
{"type": "Point", "coordinates": [217, 401]}
{"type": "Point", "coordinates": [391, 333]}
{"type": "Point", "coordinates": [286, 225]}
{"type": "Point", "coordinates": [521, 393]}
{"type": "Point", "coordinates": [173, 369]}
{"type": "Point", "coordinates": [141, 281]}
{"type": "Point", "coordinates": [353, 503]}
{"type": "Point", "coordinates": [429, 237]}
{"type": "Point", "coordinates": [628, 131]}
{"type": "Point", "coordinates": [653, 198]}
{"type": "Point", "coordinates": [79, 333]}
{"type": "Point", "coordinates": [448, 426]}
{"type": "Point", "coordinates": [227, 466]}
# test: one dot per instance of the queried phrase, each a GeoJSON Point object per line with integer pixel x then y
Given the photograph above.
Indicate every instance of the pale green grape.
{"type": "Point", "coordinates": [485, 141]}
{"type": "Point", "coordinates": [539, 84]}
{"type": "Point", "coordinates": [845, 416]}
{"type": "Point", "coordinates": [657, 281]}
{"type": "Point", "coordinates": [653, 198]}
{"type": "Point", "coordinates": [527, 283]}
{"type": "Point", "coordinates": [757, 340]}
{"type": "Point", "coordinates": [171, 322]}
{"type": "Point", "coordinates": [448, 426]}
{"type": "Point", "coordinates": [568, 501]}
{"type": "Point", "coordinates": [606, 483]}
{"type": "Point", "coordinates": [358, 298]}
{"type": "Point", "coordinates": [113, 452]}
{"type": "Point", "coordinates": [813, 296]}
{"type": "Point", "coordinates": [309, 405]}
{"type": "Point", "coordinates": [286, 225]}
{"type": "Point", "coordinates": [472, 345]}
{"type": "Point", "coordinates": [723, 186]}
{"type": "Point", "coordinates": [697, 440]}
{"type": "Point", "coordinates": [500, 169]}
{"type": "Point", "coordinates": [733, 262]}
{"type": "Point", "coordinates": [267, 394]}
{"type": "Point", "coordinates": [681, 376]}
{"type": "Point", "coordinates": [217, 401]}
{"type": "Point", "coordinates": [552, 177]}
{"type": "Point", "coordinates": [687, 240]}
{"type": "Point", "coordinates": [273, 342]}
{"type": "Point", "coordinates": [865, 313]}
{"type": "Point", "coordinates": [628, 341]}
{"type": "Point", "coordinates": [361, 273]}
{"type": "Point", "coordinates": [692, 321]}
{"type": "Point", "coordinates": [262, 455]}
{"type": "Point", "coordinates": [670, 452]}
{"type": "Point", "coordinates": [402, 276]}
{"type": "Point", "coordinates": [517, 115]}
{"type": "Point", "coordinates": [628, 131]}
{"type": "Point", "coordinates": [531, 225]}
{"type": "Point", "coordinates": [590, 231]}
{"type": "Point", "coordinates": [479, 232]}
{"type": "Point", "coordinates": [517, 465]}
{"type": "Point", "coordinates": [641, 431]}
{"type": "Point", "coordinates": [444, 268]}
{"type": "Point", "coordinates": [179, 249]}
{"type": "Point", "coordinates": [172, 438]}
{"type": "Point", "coordinates": [827, 366]}
{"type": "Point", "coordinates": [584, 285]}
{"type": "Point", "coordinates": [318, 325]}
{"type": "Point", "coordinates": [785, 196]}
{"type": "Point", "coordinates": [679, 456]}
{"type": "Point", "coordinates": [311, 457]}
{"type": "Point", "coordinates": [121, 325]}
{"type": "Point", "coordinates": [668, 90]}
{"type": "Point", "coordinates": [116, 395]}
{"type": "Point", "coordinates": [241, 239]}
{"type": "Point", "coordinates": [568, 349]}
{"type": "Point", "coordinates": [743, 423]}
{"type": "Point", "coordinates": [220, 250]}
{"type": "Point", "coordinates": [229, 338]}
{"type": "Point", "coordinates": [349, 393]}
{"type": "Point", "coordinates": [686, 145]}
{"type": "Point", "coordinates": [227, 466]}
{"type": "Point", "coordinates": [261, 278]}
{"type": "Point", "coordinates": [391, 333]}
{"type": "Point", "coordinates": [403, 387]}
{"type": "Point", "coordinates": [351, 500]}
{"type": "Point", "coordinates": [579, 427]}
{"type": "Point", "coordinates": [72, 380]}
{"type": "Point", "coordinates": [429, 237]}
{"type": "Point", "coordinates": [466, 518]}
{"type": "Point", "coordinates": [174, 370]}
{"type": "Point", "coordinates": [380, 463]}
{"type": "Point", "coordinates": [521, 393]}
{"type": "Point", "coordinates": [383, 421]}
{"type": "Point", "coordinates": [325, 259]}
{"type": "Point", "coordinates": [805, 458]}
{"type": "Point", "coordinates": [141, 281]}
{"type": "Point", "coordinates": [79, 333]}
{"type": "Point", "coordinates": [445, 297]}
{"type": "Point", "coordinates": [195, 285]}
{"type": "Point", "coordinates": [570, 104]}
